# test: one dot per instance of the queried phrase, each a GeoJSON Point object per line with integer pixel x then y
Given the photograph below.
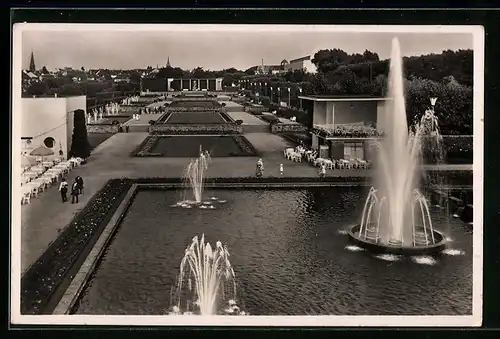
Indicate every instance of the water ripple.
{"type": "Point", "coordinates": [287, 256]}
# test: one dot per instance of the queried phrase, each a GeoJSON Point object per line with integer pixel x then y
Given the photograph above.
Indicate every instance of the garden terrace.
{"type": "Point", "coordinates": [189, 146]}
{"type": "Point", "coordinates": [193, 129]}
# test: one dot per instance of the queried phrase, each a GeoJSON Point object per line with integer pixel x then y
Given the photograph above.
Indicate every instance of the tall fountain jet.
{"type": "Point", "coordinates": [396, 214]}
{"type": "Point", "coordinates": [194, 174]}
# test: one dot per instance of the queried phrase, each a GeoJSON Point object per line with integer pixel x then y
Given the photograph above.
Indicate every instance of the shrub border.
{"type": "Point", "coordinates": [44, 283]}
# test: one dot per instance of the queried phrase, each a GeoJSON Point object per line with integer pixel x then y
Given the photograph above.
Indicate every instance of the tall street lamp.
{"type": "Point", "coordinates": [433, 103]}
{"type": "Point", "coordinates": [288, 88]}
{"type": "Point", "coordinates": [300, 100]}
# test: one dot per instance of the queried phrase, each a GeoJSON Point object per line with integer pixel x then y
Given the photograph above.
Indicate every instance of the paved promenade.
{"type": "Point", "coordinates": [46, 216]}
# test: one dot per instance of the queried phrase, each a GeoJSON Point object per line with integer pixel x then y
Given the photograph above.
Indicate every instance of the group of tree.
{"type": "Point", "coordinates": [447, 76]}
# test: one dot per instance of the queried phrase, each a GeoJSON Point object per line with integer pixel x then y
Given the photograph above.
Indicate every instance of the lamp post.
{"type": "Point", "coordinates": [300, 100]}
{"type": "Point", "coordinates": [433, 103]}
{"type": "Point", "coordinates": [279, 96]}
{"type": "Point", "coordinates": [265, 89]}
{"type": "Point", "coordinates": [288, 96]}
{"type": "Point", "coordinates": [271, 94]}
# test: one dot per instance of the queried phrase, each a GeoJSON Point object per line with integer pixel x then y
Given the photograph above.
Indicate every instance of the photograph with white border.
{"type": "Point", "coordinates": [247, 175]}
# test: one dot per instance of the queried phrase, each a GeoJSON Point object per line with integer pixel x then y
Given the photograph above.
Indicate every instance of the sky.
{"type": "Point", "coordinates": [214, 50]}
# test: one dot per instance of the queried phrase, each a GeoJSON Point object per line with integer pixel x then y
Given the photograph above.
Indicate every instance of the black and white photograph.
{"type": "Point", "coordinates": [247, 175]}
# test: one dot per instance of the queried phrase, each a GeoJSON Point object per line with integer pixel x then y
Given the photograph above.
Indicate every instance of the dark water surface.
{"type": "Point", "coordinates": [288, 253]}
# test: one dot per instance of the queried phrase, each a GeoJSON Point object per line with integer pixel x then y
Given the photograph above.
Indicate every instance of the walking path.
{"type": "Point", "coordinates": [46, 216]}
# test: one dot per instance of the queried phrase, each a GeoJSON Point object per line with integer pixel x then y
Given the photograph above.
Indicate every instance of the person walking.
{"type": "Point", "coordinates": [63, 188]}
{"type": "Point", "coordinates": [322, 171]}
{"type": "Point", "coordinates": [79, 180]}
{"type": "Point", "coordinates": [126, 128]}
{"type": "Point", "coordinates": [75, 191]}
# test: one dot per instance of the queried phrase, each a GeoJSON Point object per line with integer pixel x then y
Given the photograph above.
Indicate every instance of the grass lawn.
{"type": "Point", "coordinates": [195, 118]}
{"type": "Point", "coordinates": [189, 146]}
{"type": "Point", "coordinates": [194, 103]}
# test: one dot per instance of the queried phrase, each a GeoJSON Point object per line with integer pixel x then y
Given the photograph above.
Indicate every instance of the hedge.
{"type": "Point", "coordinates": [45, 281]}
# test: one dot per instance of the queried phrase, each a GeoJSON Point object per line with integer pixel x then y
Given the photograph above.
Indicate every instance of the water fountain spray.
{"type": "Point", "coordinates": [396, 214]}
{"type": "Point", "coordinates": [206, 283]}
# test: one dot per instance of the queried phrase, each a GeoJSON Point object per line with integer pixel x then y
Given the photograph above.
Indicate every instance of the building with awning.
{"type": "Point", "coordinates": [194, 84]}
{"type": "Point", "coordinates": [345, 127]}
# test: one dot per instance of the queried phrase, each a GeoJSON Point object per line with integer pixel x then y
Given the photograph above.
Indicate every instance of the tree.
{"type": "Point", "coordinates": [70, 89]}
{"type": "Point", "coordinates": [80, 146]}
{"type": "Point", "coordinates": [37, 88]}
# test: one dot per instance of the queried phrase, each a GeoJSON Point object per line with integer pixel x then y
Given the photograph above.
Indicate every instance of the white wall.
{"type": "Point", "coordinates": [305, 65]}
{"type": "Point", "coordinates": [309, 67]}
{"type": "Point", "coordinates": [49, 117]}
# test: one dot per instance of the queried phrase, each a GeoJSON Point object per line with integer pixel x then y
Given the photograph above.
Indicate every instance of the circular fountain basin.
{"type": "Point", "coordinates": [396, 247]}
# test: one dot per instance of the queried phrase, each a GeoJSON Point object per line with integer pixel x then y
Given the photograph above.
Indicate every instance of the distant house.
{"type": "Point", "coordinates": [304, 63]}
{"type": "Point", "coordinates": [267, 69]}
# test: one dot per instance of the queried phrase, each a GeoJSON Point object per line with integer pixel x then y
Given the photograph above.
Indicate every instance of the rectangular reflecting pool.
{"type": "Point", "coordinates": [290, 254]}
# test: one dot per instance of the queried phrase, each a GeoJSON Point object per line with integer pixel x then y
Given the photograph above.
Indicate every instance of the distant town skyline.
{"type": "Point", "coordinates": [214, 50]}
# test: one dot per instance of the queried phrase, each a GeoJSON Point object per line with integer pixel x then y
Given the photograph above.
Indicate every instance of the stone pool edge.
{"type": "Point", "coordinates": [78, 283]}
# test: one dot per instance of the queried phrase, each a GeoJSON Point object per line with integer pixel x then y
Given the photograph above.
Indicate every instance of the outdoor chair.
{"type": "Point", "coordinates": [26, 198]}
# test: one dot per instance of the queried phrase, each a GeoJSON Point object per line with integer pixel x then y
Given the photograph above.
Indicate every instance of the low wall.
{"type": "Point", "coordinates": [102, 128]}
{"type": "Point", "coordinates": [193, 109]}
{"type": "Point", "coordinates": [176, 129]}
{"type": "Point", "coordinates": [288, 128]}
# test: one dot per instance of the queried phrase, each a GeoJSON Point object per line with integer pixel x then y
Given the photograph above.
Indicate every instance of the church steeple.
{"type": "Point", "coordinates": [168, 62]}
{"type": "Point", "coordinates": [32, 63]}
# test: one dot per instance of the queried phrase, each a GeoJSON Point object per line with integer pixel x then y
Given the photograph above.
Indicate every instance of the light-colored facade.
{"type": "Point", "coordinates": [355, 113]}
{"type": "Point", "coordinates": [212, 84]}
{"type": "Point", "coordinates": [49, 122]}
{"type": "Point", "coordinates": [305, 64]}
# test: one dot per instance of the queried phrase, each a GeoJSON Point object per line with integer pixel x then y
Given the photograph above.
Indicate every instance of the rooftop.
{"type": "Point", "coordinates": [308, 57]}
{"type": "Point", "coordinates": [342, 98]}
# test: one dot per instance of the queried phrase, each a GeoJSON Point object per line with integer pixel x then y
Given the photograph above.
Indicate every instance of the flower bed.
{"type": "Point", "coordinates": [103, 128]}
{"type": "Point", "coordinates": [245, 145]}
{"type": "Point", "coordinates": [344, 131]}
{"type": "Point", "coordinates": [288, 128]}
{"type": "Point", "coordinates": [163, 118]}
{"type": "Point", "coordinates": [270, 119]}
{"type": "Point", "coordinates": [170, 108]}
{"type": "Point", "coordinates": [252, 180]}
{"type": "Point", "coordinates": [144, 149]}
{"type": "Point", "coordinates": [186, 129]}
{"type": "Point", "coordinates": [226, 117]}
{"type": "Point", "coordinates": [46, 280]}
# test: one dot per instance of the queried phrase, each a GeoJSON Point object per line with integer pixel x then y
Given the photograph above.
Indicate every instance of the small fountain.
{"type": "Point", "coordinates": [396, 217]}
{"type": "Point", "coordinates": [194, 180]}
{"type": "Point", "coordinates": [194, 174]}
{"type": "Point", "coordinates": [206, 284]}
